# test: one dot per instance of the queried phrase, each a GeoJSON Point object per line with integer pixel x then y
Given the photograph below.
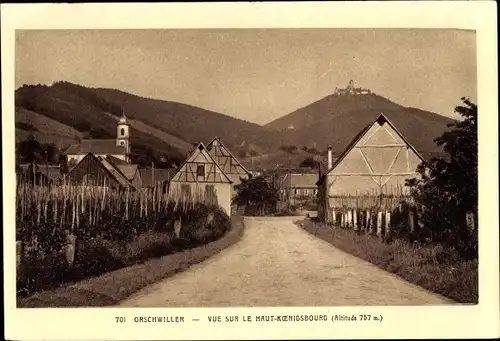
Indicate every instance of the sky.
{"type": "Point", "coordinates": [257, 75]}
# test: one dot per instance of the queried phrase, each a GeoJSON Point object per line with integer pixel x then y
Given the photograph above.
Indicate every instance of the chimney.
{"type": "Point", "coordinates": [330, 163]}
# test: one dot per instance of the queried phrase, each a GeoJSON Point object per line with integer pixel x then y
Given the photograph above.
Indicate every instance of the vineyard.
{"type": "Point", "coordinates": [67, 233]}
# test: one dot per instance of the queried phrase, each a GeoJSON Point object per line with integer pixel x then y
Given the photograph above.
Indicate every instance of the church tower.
{"type": "Point", "coordinates": [123, 135]}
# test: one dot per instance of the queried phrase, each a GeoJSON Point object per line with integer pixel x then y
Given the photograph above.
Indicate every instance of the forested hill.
{"type": "Point", "coordinates": [64, 112]}
{"type": "Point", "coordinates": [336, 119]}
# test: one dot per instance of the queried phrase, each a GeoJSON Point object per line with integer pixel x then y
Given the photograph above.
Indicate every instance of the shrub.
{"type": "Point", "coordinates": [145, 246]}
{"type": "Point", "coordinates": [95, 257]}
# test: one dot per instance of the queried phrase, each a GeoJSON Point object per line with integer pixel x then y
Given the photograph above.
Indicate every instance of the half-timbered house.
{"type": "Point", "coordinates": [373, 168]}
{"type": "Point", "coordinates": [228, 163]}
{"type": "Point", "coordinates": [201, 175]}
{"type": "Point", "coordinates": [94, 170]}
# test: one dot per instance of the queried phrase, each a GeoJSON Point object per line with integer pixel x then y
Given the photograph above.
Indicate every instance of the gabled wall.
{"type": "Point", "coordinates": [378, 163]}
{"type": "Point", "coordinates": [91, 171]}
{"type": "Point", "coordinates": [187, 179]}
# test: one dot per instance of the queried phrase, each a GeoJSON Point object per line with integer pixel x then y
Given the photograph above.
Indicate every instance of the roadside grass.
{"type": "Point", "coordinates": [112, 287]}
{"type": "Point", "coordinates": [433, 267]}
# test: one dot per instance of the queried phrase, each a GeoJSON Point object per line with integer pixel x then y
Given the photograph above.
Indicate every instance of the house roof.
{"type": "Point", "coordinates": [218, 140]}
{"type": "Point", "coordinates": [116, 160]}
{"type": "Point", "coordinates": [112, 169]}
{"type": "Point", "coordinates": [201, 147]}
{"type": "Point", "coordinates": [304, 180]}
{"type": "Point", "coordinates": [160, 175]}
{"type": "Point", "coordinates": [380, 119]}
{"type": "Point", "coordinates": [108, 166]}
{"type": "Point", "coordinates": [128, 170]}
{"type": "Point", "coordinates": [96, 146]}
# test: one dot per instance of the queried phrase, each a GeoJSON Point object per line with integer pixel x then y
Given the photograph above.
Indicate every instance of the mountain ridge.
{"type": "Point", "coordinates": [335, 119]}
{"type": "Point", "coordinates": [171, 128]}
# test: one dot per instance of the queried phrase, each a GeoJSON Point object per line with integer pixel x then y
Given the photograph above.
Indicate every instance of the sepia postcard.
{"type": "Point", "coordinates": [291, 170]}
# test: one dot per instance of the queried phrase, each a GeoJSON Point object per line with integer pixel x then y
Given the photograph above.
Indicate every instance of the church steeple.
{"type": "Point", "coordinates": [123, 135]}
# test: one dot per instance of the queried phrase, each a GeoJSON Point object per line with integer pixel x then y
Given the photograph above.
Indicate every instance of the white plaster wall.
{"type": "Point", "coordinates": [223, 192]}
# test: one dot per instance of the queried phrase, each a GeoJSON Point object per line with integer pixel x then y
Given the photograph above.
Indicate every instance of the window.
{"type": "Point", "coordinates": [296, 192]}
{"type": "Point", "coordinates": [200, 172]}
{"type": "Point", "coordinates": [122, 143]}
{"type": "Point", "coordinates": [186, 191]}
{"type": "Point", "coordinates": [122, 132]}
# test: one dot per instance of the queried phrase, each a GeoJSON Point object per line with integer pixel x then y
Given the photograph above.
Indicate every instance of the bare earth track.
{"type": "Point", "coordinates": [278, 264]}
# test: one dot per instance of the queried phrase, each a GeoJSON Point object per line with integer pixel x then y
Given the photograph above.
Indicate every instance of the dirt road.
{"type": "Point", "coordinates": [278, 264]}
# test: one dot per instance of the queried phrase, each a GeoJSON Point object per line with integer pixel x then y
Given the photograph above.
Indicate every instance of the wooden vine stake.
{"type": "Point", "coordinates": [368, 221]}
{"type": "Point", "coordinates": [387, 223]}
{"type": "Point", "coordinates": [379, 224]}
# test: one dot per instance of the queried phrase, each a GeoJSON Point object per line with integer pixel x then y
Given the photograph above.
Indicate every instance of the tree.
{"type": "Point", "coordinates": [52, 153]}
{"type": "Point", "coordinates": [255, 192]}
{"type": "Point", "coordinates": [447, 188]}
{"type": "Point", "coordinates": [314, 151]}
{"type": "Point", "coordinates": [308, 163]}
{"type": "Point", "coordinates": [289, 149]}
{"type": "Point", "coordinates": [31, 150]}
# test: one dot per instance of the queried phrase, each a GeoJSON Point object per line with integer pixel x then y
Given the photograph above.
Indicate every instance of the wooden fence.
{"type": "Point", "coordinates": [369, 212]}
{"type": "Point", "coordinates": [372, 213]}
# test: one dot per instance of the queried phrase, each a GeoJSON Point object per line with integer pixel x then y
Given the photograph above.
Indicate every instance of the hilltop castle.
{"type": "Point", "coordinates": [351, 90]}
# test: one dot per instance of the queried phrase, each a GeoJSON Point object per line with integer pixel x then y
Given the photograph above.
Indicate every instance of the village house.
{"type": "Point", "coordinates": [298, 189]}
{"type": "Point", "coordinates": [200, 175]}
{"type": "Point", "coordinates": [118, 148]}
{"type": "Point", "coordinates": [374, 166]}
{"type": "Point", "coordinates": [151, 176]}
{"type": "Point", "coordinates": [99, 171]}
{"type": "Point", "coordinates": [43, 174]}
{"type": "Point", "coordinates": [228, 163]}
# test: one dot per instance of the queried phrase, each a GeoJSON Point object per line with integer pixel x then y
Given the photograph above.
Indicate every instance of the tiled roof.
{"type": "Point", "coordinates": [95, 146]}
{"type": "Point", "coordinates": [116, 160]}
{"type": "Point", "coordinates": [217, 142]}
{"type": "Point", "coordinates": [115, 172]}
{"type": "Point", "coordinates": [301, 180]}
{"type": "Point", "coordinates": [160, 175]}
{"type": "Point", "coordinates": [127, 170]}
